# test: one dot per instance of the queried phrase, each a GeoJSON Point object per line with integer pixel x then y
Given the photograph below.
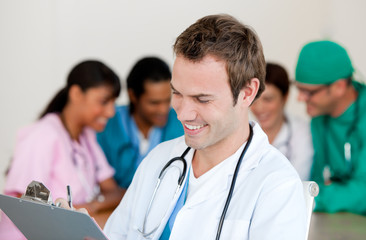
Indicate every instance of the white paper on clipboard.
{"type": "Point", "coordinates": [39, 221]}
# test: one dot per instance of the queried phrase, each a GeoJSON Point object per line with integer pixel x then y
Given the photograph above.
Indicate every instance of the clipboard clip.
{"type": "Point", "coordinates": [38, 192]}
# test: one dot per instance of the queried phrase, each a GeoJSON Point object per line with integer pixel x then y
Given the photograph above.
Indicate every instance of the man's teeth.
{"type": "Point", "coordinates": [191, 127]}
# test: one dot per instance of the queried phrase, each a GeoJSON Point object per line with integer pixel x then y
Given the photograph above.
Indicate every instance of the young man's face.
{"type": "Point", "coordinates": [204, 103]}
{"type": "Point", "coordinates": [153, 105]}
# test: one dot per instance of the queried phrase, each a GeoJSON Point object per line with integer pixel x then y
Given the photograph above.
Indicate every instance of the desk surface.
{"type": "Point", "coordinates": [339, 226]}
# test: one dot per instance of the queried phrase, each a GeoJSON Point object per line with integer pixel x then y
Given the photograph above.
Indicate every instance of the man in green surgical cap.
{"type": "Point", "coordinates": [337, 105]}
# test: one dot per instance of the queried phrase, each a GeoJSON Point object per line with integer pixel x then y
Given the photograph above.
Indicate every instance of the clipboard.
{"type": "Point", "coordinates": [43, 221]}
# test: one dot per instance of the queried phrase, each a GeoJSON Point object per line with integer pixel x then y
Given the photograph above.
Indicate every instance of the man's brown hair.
{"type": "Point", "coordinates": [224, 37]}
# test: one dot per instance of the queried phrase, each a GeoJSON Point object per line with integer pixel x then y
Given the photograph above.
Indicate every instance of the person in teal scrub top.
{"type": "Point", "coordinates": [147, 121]}
{"type": "Point", "coordinates": [337, 105]}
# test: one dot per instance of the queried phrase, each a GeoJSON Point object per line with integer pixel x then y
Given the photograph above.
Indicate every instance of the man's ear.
{"type": "Point", "coordinates": [132, 96]}
{"type": "Point", "coordinates": [75, 94]}
{"type": "Point", "coordinates": [339, 87]}
{"type": "Point", "coordinates": [249, 92]}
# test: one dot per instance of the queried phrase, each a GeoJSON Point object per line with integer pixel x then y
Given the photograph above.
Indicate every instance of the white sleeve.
{"type": "Point", "coordinates": [279, 211]}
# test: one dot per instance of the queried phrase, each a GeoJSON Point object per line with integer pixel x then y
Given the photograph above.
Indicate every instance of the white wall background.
{"type": "Point", "coordinates": [41, 40]}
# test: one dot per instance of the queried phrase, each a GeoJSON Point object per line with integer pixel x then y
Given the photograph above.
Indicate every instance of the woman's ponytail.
{"type": "Point", "coordinates": [58, 102]}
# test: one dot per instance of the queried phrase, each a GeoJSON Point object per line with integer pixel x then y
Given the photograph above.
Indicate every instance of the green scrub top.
{"type": "Point", "coordinates": [346, 168]}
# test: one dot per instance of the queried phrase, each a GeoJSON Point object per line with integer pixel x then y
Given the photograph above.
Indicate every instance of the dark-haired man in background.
{"type": "Point", "coordinates": [146, 122]}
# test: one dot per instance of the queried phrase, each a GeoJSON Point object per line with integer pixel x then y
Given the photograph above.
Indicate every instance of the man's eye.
{"type": "Point", "coordinates": [202, 100]}
{"type": "Point", "coordinates": [104, 102]}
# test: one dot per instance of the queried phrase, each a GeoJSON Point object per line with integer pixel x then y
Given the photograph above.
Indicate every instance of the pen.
{"type": "Point", "coordinates": [69, 197]}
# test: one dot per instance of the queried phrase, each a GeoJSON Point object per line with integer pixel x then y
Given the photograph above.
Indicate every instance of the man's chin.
{"type": "Point", "coordinates": [160, 123]}
{"type": "Point", "coordinates": [98, 127]}
{"type": "Point", "coordinates": [312, 112]}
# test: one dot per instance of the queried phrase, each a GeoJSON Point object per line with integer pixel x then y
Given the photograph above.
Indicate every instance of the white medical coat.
{"type": "Point", "coordinates": [294, 141]}
{"type": "Point", "coordinates": [267, 203]}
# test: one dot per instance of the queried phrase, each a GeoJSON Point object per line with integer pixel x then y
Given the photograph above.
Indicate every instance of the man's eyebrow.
{"type": "Point", "coordinates": [201, 95]}
{"type": "Point", "coordinates": [195, 95]}
{"type": "Point", "coordinates": [171, 85]}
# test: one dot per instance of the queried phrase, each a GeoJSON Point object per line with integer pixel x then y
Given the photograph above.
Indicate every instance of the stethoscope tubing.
{"type": "Point", "coordinates": [181, 158]}
{"type": "Point", "coordinates": [161, 176]}
{"type": "Point", "coordinates": [228, 199]}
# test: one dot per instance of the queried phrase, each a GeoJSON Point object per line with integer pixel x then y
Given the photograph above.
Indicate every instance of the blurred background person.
{"type": "Point", "coordinates": [147, 121]}
{"type": "Point", "coordinates": [60, 148]}
{"type": "Point", "coordinates": [337, 104]}
{"type": "Point", "coordinates": [285, 132]}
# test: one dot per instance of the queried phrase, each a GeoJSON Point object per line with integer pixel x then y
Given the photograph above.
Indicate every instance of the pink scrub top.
{"type": "Point", "coordinates": [45, 152]}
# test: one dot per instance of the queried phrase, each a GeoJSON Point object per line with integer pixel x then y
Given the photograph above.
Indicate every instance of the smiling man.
{"type": "Point", "coordinates": [337, 105]}
{"type": "Point", "coordinates": [222, 179]}
{"type": "Point", "coordinates": [148, 120]}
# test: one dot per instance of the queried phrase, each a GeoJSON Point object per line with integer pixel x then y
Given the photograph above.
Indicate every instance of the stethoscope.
{"type": "Point", "coordinates": [180, 182]}
{"type": "Point", "coordinates": [347, 147]}
{"type": "Point", "coordinates": [182, 175]}
{"type": "Point", "coordinates": [91, 190]}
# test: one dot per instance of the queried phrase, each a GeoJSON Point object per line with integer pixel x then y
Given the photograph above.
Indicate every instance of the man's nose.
{"type": "Point", "coordinates": [185, 110]}
{"type": "Point", "coordinates": [302, 96]}
{"type": "Point", "coordinates": [163, 108]}
{"type": "Point", "coordinates": [110, 110]}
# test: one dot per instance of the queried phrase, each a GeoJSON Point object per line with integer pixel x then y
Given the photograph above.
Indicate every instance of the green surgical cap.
{"type": "Point", "coordinates": [323, 62]}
